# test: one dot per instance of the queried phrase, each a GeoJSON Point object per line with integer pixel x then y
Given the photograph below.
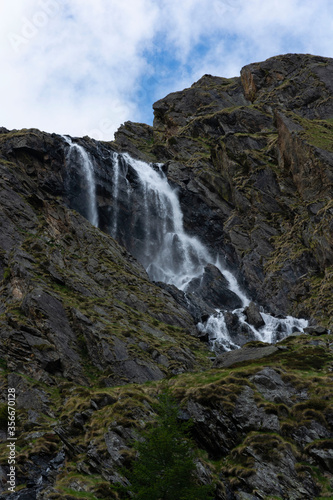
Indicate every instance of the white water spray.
{"type": "Point", "coordinates": [217, 331]}
{"type": "Point", "coordinates": [88, 172]}
{"type": "Point", "coordinates": [277, 328]}
{"type": "Point", "coordinates": [233, 284]}
{"type": "Point", "coordinates": [174, 257]}
{"type": "Point", "coordinates": [170, 255]}
{"type": "Point", "coordinates": [115, 194]}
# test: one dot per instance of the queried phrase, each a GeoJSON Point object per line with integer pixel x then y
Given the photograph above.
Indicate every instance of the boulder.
{"type": "Point", "coordinates": [316, 331]}
{"type": "Point", "coordinates": [213, 288]}
{"type": "Point", "coordinates": [253, 316]}
{"type": "Point", "coordinates": [244, 354]}
{"type": "Point", "coordinates": [196, 306]}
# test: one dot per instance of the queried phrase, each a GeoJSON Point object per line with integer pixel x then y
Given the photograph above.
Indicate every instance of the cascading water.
{"type": "Point", "coordinates": [169, 254]}
{"type": "Point", "coordinates": [78, 155]}
{"type": "Point", "coordinates": [233, 285]}
{"type": "Point", "coordinates": [172, 256]}
{"type": "Point", "coordinates": [277, 328]}
{"type": "Point", "coordinates": [115, 193]}
{"type": "Point", "coordinates": [151, 208]}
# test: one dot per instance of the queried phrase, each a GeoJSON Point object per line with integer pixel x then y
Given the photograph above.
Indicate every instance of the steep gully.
{"type": "Point", "coordinates": [141, 193]}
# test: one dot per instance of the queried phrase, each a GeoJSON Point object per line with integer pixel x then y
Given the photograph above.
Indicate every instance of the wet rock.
{"type": "Point", "coordinates": [240, 333]}
{"type": "Point", "coordinates": [253, 316]}
{"type": "Point", "coordinates": [316, 331]}
{"type": "Point", "coordinates": [197, 307]}
{"type": "Point", "coordinates": [56, 265]}
{"type": "Point", "coordinates": [213, 288]}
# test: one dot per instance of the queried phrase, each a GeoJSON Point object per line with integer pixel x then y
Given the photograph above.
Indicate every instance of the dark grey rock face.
{"type": "Point", "coordinates": [307, 94]}
{"type": "Point", "coordinates": [245, 354]}
{"type": "Point", "coordinates": [253, 315]}
{"type": "Point", "coordinates": [270, 384]}
{"type": "Point", "coordinates": [250, 417]}
{"type": "Point", "coordinates": [213, 288]}
{"type": "Point", "coordinates": [58, 332]}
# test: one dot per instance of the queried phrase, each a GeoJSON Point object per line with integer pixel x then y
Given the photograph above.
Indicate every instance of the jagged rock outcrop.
{"type": "Point", "coordinates": [301, 83]}
{"type": "Point", "coordinates": [253, 158]}
{"type": "Point", "coordinates": [83, 328]}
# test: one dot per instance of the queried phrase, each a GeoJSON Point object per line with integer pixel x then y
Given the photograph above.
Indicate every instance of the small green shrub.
{"type": "Point", "coordinates": [165, 467]}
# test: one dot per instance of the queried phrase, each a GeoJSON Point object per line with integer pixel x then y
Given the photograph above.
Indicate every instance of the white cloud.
{"type": "Point", "coordinates": [77, 66]}
{"type": "Point", "coordinates": [73, 72]}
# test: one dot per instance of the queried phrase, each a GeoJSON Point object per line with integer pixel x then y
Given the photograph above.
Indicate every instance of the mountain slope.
{"type": "Point", "coordinates": [258, 151]}
{"type": "Point", "coordinates": [70, 289]}
{"type": "Point", "coordinates": [89, 342]}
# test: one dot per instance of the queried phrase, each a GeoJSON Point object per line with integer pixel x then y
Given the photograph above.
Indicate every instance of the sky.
{"type": "Point", "coordinates": [84, 67]}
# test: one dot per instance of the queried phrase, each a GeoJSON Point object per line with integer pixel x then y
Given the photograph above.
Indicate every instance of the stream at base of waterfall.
{"type": "Point", "coordinates": [172, 256]}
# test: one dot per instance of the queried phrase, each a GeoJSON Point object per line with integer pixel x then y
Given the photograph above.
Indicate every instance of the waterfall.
{"type": "Point", "coordinates": [146, 217]}
{"type": "Point", "coordinates": [218, 331]}
{"type": "Point", "coordinates": [174, 257]}
{"type": "Point", "coordinates": [115, 195]}
{"type": "Point", "coordinates": [169, 254]}
{"type": "Point", "coordinates": [78, 155]}
{"type": "Point", "coordinates": [233, 284]}
{"type": "Point", "coordinates": [277, 328]}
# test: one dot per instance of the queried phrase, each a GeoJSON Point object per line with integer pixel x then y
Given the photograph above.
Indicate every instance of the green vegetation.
{"type": "Point", "coordinates": [151, 411]}
{"type": "Point", "coordinates": [318, 133]}
{"type": "Point", "coordinates": [165, 466]}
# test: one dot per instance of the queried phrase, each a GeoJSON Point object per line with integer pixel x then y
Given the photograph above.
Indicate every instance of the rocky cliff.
{"type": "Point", "coordinates": [257, 151]}
{"type": "Point", "coordinates": [88, 340]}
